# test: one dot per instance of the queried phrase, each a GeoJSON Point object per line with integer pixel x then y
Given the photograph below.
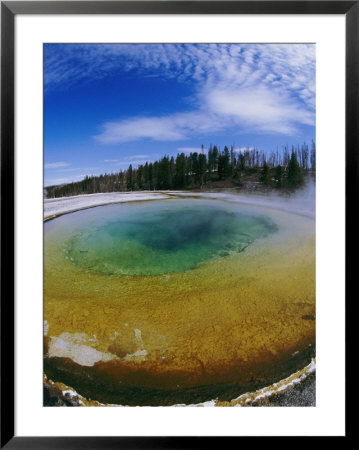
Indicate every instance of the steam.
{"type": "Point", "coordinates": [301, 202]}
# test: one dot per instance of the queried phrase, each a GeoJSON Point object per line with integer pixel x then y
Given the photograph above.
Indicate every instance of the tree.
{"type": "Point", "coordinates": [241, 162]}
{"type": "Point", "coordinates": [129, 178]}
{"type": "Point", "coordinates": [312, 156]}
{"type": "Point", "coordinates": [139, 177]}
{"type": "Point", "coordinates": [224, 167]}
{"type": "Point", "coordinates": [195, 167]}
{"type": "Point", "coordinates": [202, 168]}
{"type": "Point", "coordinates": [227, 165]}
{"type": "Point", "coordinates": [221, 165]}
{"type": "Point", "coordinates": [233, 160]}
{"type": "Point", "coordinates": [295, 176]}
{"type": "Point", "coordinates": [145, 176]}
{"type": "Point", "coordinates": [172, 172]}
{"type": "Point", "coordinates": [210, 160]}
{"type": "Point", "coordinates": [265, 174]}
{"type": "Point", "coordinates": [122, 181]}
{"type": "Point", "coordinates": [150, 176]}
{"type": "Point", "coordinates": [163, 179]}
{"type": "Point", "coordinates": [180, 171]}
{"type": "Point", "coordinates": [279, 176]}
{"type": "Point", "coordinates": [215, 158]}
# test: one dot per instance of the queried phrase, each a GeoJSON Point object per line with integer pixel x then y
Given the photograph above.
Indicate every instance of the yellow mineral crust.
{"type": "Point", "coordinates": [222, 322]}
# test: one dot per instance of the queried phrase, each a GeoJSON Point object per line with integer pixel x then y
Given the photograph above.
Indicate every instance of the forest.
{"type": "Point", "coordinates": [248, 169]}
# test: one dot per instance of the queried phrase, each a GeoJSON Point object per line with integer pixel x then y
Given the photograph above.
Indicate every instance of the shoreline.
{"type": "Point", "coordinates": [56, 207]}
{"type": "Point", "coordinates": [296, 390]}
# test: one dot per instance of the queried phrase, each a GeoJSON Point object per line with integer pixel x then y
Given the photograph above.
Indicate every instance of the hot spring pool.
{"type": "Point", "coordinates": [177, 301]}
{"type": "Point", "coordinates": [159, 238]}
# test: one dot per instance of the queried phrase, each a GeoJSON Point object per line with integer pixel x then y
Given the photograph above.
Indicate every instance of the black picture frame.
{"type": "Point", "coordinates": [9, 9]}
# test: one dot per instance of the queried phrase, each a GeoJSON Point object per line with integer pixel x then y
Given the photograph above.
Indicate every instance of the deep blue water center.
{"type": "Point", "coordinates": [162, 237]}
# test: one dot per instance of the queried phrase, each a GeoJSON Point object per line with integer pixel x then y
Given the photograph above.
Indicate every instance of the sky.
{"type": "Point", "coordinates": [107, 106]}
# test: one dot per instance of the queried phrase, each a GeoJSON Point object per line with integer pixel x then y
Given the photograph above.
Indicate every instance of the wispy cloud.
{"type": "Point", "coordinates": [56, 165]}
{"type": "Point", "coordinates": [133, 158]}
{"type": "Point", "coordinates": [267, 88]}
{"type": "Point", "coordinates": [130, 159]}
{"type": "Point", "coordinates": [77, 169]}
{"type": "Point", "coordinates": [292, 66]}
{"type": "Point", "coordinates": [156, 128]}
{"type": "Point", "coordinates": [243, 149]}
{"type": "Point", "coordinates": [63, 180]}
{"type": "Point", "coordinates": [123, 164]}
{"type": "Point", "coordinates": [173, 127]}
{"type": "Point", "coordinates": [259, 109]}
{"type": "Point", "coordinates": [256, 109]}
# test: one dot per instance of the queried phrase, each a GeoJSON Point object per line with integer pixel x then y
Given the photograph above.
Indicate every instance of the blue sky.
{"type": "Point", "coordinates": [110, 105]}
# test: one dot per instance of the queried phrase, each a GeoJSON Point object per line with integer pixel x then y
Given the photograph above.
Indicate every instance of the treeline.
{"type": "Point", "coordinates": [280, 169]}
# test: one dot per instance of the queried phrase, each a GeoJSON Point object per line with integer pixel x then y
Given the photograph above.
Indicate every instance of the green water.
{"type": "Point", "coordinates": [155, 238]}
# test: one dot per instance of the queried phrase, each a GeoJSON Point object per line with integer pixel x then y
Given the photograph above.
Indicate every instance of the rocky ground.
{"type": "Point", "coordinates": [302, 394]}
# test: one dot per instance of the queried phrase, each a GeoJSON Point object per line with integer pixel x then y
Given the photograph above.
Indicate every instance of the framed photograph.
{"type": "Point", "coordinates": [174, 191]}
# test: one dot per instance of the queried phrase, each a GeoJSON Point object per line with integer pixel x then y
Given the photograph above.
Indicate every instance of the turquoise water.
{"type": "Point", "coordinates": [162, 237]}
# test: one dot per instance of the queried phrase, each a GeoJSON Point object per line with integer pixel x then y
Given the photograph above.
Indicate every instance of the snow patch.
{"type": "Point", "coordinates": [57, 206]}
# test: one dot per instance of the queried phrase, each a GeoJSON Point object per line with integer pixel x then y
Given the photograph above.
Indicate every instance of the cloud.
{"type": "Point", "coordinates": [139, 156]}
{"type": "Point", "coordinates": [63, 180]}
{"type": "Point", "coordinates": [291, 65]}
{"type": "Point", "coordinates": [156, 128]}
{"type": "Point", "coordinates": [267, 88]}
{"type": "Point", "coordinates": [74, 169]}
{"type": "Point", "coordinates": [56, 165]}
{"type": "Point", "coordinates": [173, 127]}
{"type": "Point", "coordinates": [130, 159]}
{"type": "Point", "coordinates": [259, 109]}
{"type": "Point", "coordinates": [247, 109]}
{"type": "Point", "coordinates": [134, 162]}
{"type": "Point", "coordinates": [243, 149]}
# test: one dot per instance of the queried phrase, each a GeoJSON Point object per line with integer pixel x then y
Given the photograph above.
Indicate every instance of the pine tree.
{"type": "Point", "coordinates": [202, 168]}
{"type": "Point", "coordinates": [139, 177]}
{"type": "Point", "coordinates": [215, 158]}
{"type": "Point", "coordinates": [210, 160]}
{"type": "Point", "coordinates": [150, 176]}
{"type": "Point", "coordinates": [180, 171]}
{"type": "Point", "coordinates": [122, 181]}
{"type": "Point", "coordinates": [265, 175]}
{"type": "Point", "coordinates": [194, 170]}
{"type": "Point", "coordinates": [129, 178]}
{"type": "Point", "coordinates": [241, 162]}
{"type": "Point", "coordinates": [195, 167]}
{"type": "Point", "coordinates": [279, 176]}
{"type": "Point", "coordinates": [163, 180]}
{"type": "Point", "coordinates": [295, 176]}
{"type": "Point", "coordinates": [227, 169]}
{"type": "Point", "coordinates": [312, 156]}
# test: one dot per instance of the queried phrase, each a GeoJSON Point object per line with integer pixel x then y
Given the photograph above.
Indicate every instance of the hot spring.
{"type": "Point", "coordinates": [177, 301]}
